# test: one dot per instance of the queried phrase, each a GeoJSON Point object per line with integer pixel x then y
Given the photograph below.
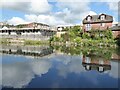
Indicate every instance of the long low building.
{"type": "Point", "coordinates": [32, 31]}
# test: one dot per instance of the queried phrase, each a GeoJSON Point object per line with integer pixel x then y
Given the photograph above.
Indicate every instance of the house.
{"type": "Point", "coordinates": [5, 25]}
{"type": "Point", "coordinates": [99, 64]}
{"type": "Point", "coordinates": [62, 27]}
{"type": "Point", "coordinates": [116, 30]}
{"type": "Point", "coordinates": [1, 24]}
{"type": "Point", "coordinates": [97, 22]}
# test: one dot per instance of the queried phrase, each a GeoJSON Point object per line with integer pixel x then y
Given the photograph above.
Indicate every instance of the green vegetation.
{"type": "Point", "coordinates": [76, 36]}
{"type": "Point", "coordinates": [91, 51]}
{"type": "Point", "coordinates": [34, 42]}
{"type": "Point", "coordinates": [118, 42]}
{"type": "Point", "coordinates": [4, 41]}
{"type": "Point", "coordinates": [21, 25]}
{"type": "Point", "coordinates": [25, 42]}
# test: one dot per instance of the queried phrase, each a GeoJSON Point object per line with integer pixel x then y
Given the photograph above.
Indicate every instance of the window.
{"type": "Point", "coordinates": [88, 26]}
{"type": "Point", "coordinates": [101, 62]}
{"type": "Point", "coordinates": [102, 24]}
{"type": "Point", "coordinates": [87, 60]}
{"type": "Point", "coordinates": [100, 69]}
{"type": "Point", "coordinates": [88, 67]}
{"type": "Point", "coordinates": [89, 18]}
{"type": "Point", "coordinates": [102, 17]}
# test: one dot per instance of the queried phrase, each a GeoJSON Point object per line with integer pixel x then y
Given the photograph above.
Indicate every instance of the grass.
{"type": "Point", "coordinates": [4, 41]}
{"type": "Point", "coordinates": [25, 42]}
{"type": "Point", "coordinates": [88, 42]}
{"type": "Point", "coordinates": [34, 42]}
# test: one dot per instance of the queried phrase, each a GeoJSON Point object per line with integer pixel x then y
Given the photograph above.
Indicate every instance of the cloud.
{"type": "Point", "coordinates": [59, 18]}
{"type": "Point", "coordinates": [61, 13]}
{"type": "Point", "coordinates": [29, 6]}
{"type": "Point", "coordinates": [69, 13]}
{"type": "Point", "coordinates": [69, 64]}
{"type": "Point", "coordinates": [41, 11]}
{"type": "Point", "coordinates": [48, 19]}
{"type": "Point", "coordinates": [114, 70]}
{"type": "Point", "coordinates": [19, 74]}
{"type": "Point", "coordinates": [16, 20]}
{"type": "Point", "coordinates": [92, 13]}
{"type": "Point", "coordinates": [113, 6]}
{"type": "Point", "coordinates": [40, 6]}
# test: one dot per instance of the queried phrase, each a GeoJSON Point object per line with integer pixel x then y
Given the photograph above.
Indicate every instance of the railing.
{"type": "Point", "coordinates": [42, 28]}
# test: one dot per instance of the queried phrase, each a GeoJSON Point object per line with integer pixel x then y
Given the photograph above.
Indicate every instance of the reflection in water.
{"type": "Point", "coordinates": [19, 74]}
{"type": "Point", "coordinates": [98, 64]}
{"type": "Point", "coordinates": [33, 51]}
{"type": "Point", "coordinates": [0, 72]}
{"type": "Point", "coordinates": [63, 66]}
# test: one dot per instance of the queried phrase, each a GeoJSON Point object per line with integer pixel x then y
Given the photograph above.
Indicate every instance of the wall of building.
{"type": "Point", "coordinates": [94, 61]}
{"type": "Point", "coordinates": [98, 26]}
{"type": "Point", "coordinates": [58, 34]}
{"type": "Point", "coordinates": [38, 35]}
{"type": "Point", "coordinates": [116, 34]}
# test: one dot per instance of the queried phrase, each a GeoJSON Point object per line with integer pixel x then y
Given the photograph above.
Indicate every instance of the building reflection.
{"type": "Point", "coordinates": [93, 58]}
{"type": "Point", "coordinates": [98, 64]}
{"type": "Point", "coordinates": [28, 51]}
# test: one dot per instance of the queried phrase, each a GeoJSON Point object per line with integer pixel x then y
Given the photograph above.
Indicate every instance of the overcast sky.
{"type": "Point", "coordinates": [55, 12]}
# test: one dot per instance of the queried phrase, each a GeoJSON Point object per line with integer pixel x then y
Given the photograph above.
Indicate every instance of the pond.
{"type": "Point", "coordinates": [59, 67]}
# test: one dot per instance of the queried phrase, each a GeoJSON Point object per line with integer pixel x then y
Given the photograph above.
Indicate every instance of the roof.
{"type": "Point", "coordinates": [33, 23]}
{"type": "Point", "coordinates": [4, 28]}
{"type": "Point", "coordinates": [39, 23]}
{"type": "Point", "coordinates": [115, 28]}
{"type": "Point", "coordinates": [96, 19]}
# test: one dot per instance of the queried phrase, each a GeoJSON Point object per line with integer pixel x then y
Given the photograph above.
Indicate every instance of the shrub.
{"type": "Point", "coordinates": [78, 40]}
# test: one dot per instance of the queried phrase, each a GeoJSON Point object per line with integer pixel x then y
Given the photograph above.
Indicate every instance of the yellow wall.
{"type": "Point", "coordinates": [58, 34]}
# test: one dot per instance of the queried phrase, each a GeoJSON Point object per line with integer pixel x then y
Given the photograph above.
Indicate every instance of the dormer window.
{"type": "Point", "coordinates": [102, 17]}
{"type": "Point", "coordinates": [89, 19]}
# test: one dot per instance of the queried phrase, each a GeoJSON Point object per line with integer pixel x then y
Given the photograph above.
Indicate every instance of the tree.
{"type": "Point", "coordinates": [85, 36]}
{"type": "Point", "coordinates": [66, 29]}
{"type": "Point", "coordinates": [109, 34]}
{"type": "Point", "coordinates": [76, 30]}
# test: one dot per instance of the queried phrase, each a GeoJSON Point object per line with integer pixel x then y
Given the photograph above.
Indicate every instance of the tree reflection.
{"type": "Point", "coordinates": [94, 58]}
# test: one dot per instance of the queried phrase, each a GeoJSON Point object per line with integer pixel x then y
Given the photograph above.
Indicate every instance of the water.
{"type": "Point", "coordinates": [59, 67]}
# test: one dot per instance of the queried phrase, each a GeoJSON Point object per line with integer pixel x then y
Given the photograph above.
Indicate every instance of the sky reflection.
{"type": "Point", "coordinates": [55, 71]}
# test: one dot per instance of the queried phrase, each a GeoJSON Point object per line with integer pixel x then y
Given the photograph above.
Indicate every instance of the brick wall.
{"type": "Point", "coordinates": [98, 26]}
{"type": "Point", "coordinates": [116, 33]}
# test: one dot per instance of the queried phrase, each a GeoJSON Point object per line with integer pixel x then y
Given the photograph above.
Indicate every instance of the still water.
{"type": "Point", "coordinates": [58, 67]}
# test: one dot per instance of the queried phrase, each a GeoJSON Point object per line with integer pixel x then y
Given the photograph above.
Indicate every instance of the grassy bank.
{"type": "Point", "coordinates": [22, 41]}
{"type": "Point", "coordinates": [4, 41]}
{"type": "Point", "coordinates": [35, 42]}
{"type": "Point", "coordinates": [87, 42]}
{"type": "Point", "coordinates": [90, 51]}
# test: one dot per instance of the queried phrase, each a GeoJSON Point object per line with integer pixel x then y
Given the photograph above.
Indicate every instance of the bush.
{"type": "Point", "coordinates": [118, 41]}
{"type": "Point", "coordinates": [78, 40]}
{"type": "Point", "coordinates": [85, 36]}
{"type": "Point", "coordinates": [33, 42]}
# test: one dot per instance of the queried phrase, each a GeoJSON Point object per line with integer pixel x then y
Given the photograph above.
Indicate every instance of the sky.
{"type": "Point", "coordinates": [55, 12]}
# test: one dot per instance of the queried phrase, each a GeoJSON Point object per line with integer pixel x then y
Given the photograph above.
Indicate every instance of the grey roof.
{"type": "Point", "coordinates": [115, 28]}
{"type": "Point", "coordinates": [33, 23]}
{"type": "Point", "coordinates": [96, 19]}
